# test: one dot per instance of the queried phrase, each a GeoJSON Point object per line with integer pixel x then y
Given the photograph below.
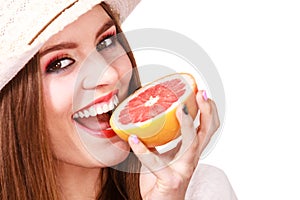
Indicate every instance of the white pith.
{"type": "Point", "coordinates": [152, 101]}
{"type": "Point", "coordinates": [98, 109]}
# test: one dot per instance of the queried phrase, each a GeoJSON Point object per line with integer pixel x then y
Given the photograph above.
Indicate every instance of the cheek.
{"type": "Point", "coordinates": [58, 105]}
{"type": "Point", "coordinates": [124, 68]}
{"type": "Point", "coordinates": [58, 96]}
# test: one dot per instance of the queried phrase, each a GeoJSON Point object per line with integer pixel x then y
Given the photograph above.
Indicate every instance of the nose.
{"type": "Point", "coordinates": [97, 72]}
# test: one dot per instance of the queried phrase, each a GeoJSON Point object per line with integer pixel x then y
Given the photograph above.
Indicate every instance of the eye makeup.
{"type": "Point", "coordinates": [62, 61]}
{"type": "Point", "coordinates": [59, 64]}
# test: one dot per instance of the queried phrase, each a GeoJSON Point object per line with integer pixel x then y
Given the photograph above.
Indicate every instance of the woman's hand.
{"type": "Point", "coordinates": [166, 176]}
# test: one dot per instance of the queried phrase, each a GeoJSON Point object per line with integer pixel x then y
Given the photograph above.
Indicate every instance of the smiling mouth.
{"type": "Point", "coordinates": [96, 117]}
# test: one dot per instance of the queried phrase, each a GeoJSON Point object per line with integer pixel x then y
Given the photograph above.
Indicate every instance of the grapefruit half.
{"type": "Point", "coordinates": [150, 112]}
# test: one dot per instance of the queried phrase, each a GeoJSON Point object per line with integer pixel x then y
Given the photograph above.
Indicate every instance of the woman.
{"type": "Point", "coordinates": [78, 61]}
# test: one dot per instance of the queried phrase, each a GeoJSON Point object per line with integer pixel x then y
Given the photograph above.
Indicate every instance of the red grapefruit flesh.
{"type": "Point", "coordinates": [149, 113]}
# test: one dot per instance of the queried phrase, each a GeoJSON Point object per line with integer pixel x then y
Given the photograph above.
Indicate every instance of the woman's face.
{"type": "Point", "coordinates": [85, 70]}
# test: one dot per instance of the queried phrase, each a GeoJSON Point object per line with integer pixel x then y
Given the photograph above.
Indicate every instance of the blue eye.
{"type": "Point", "coordinates": [59, 64]}
{"type": "Point", "coordinates": [107, 42]}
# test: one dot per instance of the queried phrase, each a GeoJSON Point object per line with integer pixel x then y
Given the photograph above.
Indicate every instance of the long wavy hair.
{"type": "Point", "coordinates": [27, 164]}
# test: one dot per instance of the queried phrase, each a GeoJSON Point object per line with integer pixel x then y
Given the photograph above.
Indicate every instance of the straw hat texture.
{"type": "Point", "coordinates": [25, 25]}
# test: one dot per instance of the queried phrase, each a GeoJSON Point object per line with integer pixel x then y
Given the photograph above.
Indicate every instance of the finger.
{"type": "Point", "coordinates": [148, 159]}
{"type": "Point", "coordinates": [204, 107]}
{"type": "Point", "coordinates": [186, 123]}
{"type": "Point", "coordinates": [209, 120]}
{"type": "Point", "coordinates": [188, 150]}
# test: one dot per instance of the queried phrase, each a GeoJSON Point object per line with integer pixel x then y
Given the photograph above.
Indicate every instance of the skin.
{"type": "Point", "coordinates": [68, 91]}
{"type": "Point", "coordinates": [88, 75]}
{"type": "Point", "coordinates": [167, 176]}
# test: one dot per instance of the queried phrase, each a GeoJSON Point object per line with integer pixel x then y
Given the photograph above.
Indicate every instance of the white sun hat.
{"type": "Point", "coordinates": [27, 24]}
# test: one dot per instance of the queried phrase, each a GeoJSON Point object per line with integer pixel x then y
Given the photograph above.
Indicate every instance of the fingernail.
{"type": "Point", "coordinates": [134, 139]}
{"type": "Point", "coordinates": [185, 109]}
{"type": "Point", "coordinates": [204, 95]}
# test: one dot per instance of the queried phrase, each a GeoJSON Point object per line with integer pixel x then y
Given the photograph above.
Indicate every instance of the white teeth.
{"type": "Point", "coordinates": [111, 105]}
{"type": "Point", "coordinates": [81, 115]}
{"type": "Point", "coordinates": [92, 111]}
{"type": "Point", "coordinates": [116, 100]}
{"type": "Point", "coordinates": [86, 113]}
{"type": "Point", "coordinates": [105, 108]}
{"type": "Point", "coordinates": [98, 109]}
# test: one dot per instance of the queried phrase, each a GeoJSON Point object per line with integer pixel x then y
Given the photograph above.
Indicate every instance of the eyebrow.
{"type": "Point", "coordinates": [104, 28]}
{"type": "Point", "coordinates": [64, 45]}
{"type": "Point", "coordinates": [71, 45]}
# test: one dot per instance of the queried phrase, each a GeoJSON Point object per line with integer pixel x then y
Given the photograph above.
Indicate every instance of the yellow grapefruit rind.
{"type": "Point", "coordinates": [169, 128]}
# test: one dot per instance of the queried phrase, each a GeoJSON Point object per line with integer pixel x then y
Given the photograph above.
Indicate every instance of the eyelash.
{"type": "Point", "coordinates": [110, 35]}
{"type": "Point", "coordinates": [52, 66]}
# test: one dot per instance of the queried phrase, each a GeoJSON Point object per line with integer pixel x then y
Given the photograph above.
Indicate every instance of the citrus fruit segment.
{"type": "Point", "coordinates": [150, 113]}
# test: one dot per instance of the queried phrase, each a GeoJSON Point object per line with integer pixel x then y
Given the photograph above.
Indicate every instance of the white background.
{"type": "Point", "coordinates": [255, 46]}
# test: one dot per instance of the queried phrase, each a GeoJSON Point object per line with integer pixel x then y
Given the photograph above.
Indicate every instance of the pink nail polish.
{"type": "Point", "coordinates": [204, 95]}
{"type": "Point", "coordinates": [134, 139]}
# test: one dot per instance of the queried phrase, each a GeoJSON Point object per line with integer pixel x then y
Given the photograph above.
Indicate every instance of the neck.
{"type": "Point", "coordinates": [78, 182]}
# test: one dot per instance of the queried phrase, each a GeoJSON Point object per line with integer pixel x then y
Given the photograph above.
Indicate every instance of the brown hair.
{"type": "Point", "coordinates": [27, 167]}
{"type": "Point", "coordinates": [26, 162]}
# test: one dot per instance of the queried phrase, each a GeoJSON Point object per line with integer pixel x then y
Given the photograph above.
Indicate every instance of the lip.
{"type": "Point", "coordinates": [103, 133]}
{"type": "Point", "coordinates": [106, 133]}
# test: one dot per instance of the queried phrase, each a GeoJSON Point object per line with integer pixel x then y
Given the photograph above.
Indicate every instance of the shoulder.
{"type": "Point", "coordinates": [209, 183]}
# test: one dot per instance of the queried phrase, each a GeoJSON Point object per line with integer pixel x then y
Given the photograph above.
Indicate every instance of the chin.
{"type": "Point", "coordinates": [105, 151]}
{"type": "Point", "coordinates": [112, 158]}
